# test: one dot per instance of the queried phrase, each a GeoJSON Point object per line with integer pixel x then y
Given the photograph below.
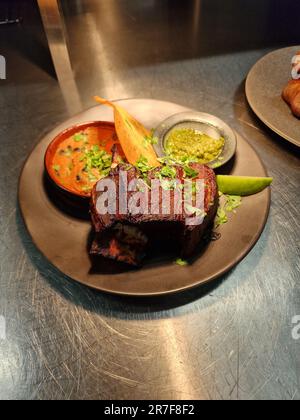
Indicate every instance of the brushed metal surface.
{"type": "Point", "coordinates": [232, 341]}
{"type": "Point", "coordinates": [55, 30]}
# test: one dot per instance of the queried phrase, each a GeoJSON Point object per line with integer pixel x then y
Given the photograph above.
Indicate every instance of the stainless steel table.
{"type": "Point", "coordinates": [230, 340]}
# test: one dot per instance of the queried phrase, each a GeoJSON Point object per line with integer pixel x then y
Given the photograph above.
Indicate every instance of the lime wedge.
{"type": "Point", "coordinates": [242, 185]}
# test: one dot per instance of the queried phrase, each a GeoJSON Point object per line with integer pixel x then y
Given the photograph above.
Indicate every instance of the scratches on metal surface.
{"type": "Point", "coordinates": [65, 342]}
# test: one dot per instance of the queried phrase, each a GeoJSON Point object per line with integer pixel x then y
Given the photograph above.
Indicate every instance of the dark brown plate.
{"type": "Point", "coordinates": [63, 239]}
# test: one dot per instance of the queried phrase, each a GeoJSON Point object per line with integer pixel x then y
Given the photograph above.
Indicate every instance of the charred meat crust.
{"type": "Point", "coordinates": [110, 240]}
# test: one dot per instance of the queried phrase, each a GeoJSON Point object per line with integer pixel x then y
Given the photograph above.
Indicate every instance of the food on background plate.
{"type": "Point", "coordinates": [154, 227]}
{"type": "Point", "coordinates": [291, 93]}
{"type": "Point", "coordinates": [135, 139]}
{"type": "Point", "coordinates": [188, 143]}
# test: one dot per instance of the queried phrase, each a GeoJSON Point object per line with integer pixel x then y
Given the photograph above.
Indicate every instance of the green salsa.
{"type": "Point", "coordinates": [187, 143]}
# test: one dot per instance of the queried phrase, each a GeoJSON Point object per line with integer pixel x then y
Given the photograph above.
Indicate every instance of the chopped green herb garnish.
{"type": "Point", "coordinates": [96, 159]}
{"type": "Point", "coordinates": [79, 137]}
{"type": "Point", "coordinates": [232, 202]}
{"type": "Point", "coordinates": [150, 139]}
{"type": "Point", "coordinates": [143, 165]}
{"type": "Point", "coordinates": [95, 148]}
{"type": "Point", "coordinates": [168, 172]}
{"type": "Point", "coordinates": [56, 168]}
{"type": "Point", "coordinates": [166, 160]}
{"type": "Point", "coordinates": [221, 218]}
{"type": "Point", "coordinates": [190, 172]}
{"type": "Point", "coordinates": [181, 262]}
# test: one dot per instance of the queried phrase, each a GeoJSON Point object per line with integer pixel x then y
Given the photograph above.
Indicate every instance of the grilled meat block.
{"type": "Point", "coordinates": [154, 221]}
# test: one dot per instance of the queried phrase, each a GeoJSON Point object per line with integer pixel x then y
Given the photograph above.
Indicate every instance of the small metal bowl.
{"type": "Point", "coordinates": [206, 124]}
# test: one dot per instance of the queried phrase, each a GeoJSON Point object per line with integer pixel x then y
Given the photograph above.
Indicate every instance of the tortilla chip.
{"type": "Point", "coordinates": [133, 136]}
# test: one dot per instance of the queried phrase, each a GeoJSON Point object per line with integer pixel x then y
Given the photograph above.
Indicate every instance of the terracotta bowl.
{"type": "Point", "coordinates": [61, 194]}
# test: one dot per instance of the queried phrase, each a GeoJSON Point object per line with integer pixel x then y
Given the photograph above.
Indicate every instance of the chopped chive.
{"type": "Point", "coordinates": [79, 137]}
{"type": "Point", "coordinates": [190, 172]}
{"type": "Point", "coordinates": [181, 262]}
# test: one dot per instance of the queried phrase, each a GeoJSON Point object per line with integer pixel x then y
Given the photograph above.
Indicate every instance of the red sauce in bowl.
{"type": "Point", "coordinates": [80, 156]}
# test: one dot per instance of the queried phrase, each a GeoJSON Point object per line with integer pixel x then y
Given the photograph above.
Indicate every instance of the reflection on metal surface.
{"type": "Point", "coordinates": [180, 372]}
{"type": "Point", "coordinates": [10, 22]}
{"type": "Point", "coordinates": [110, 79]}
{"type": "Point", "coordinates": [196, 20]}
{"type": "Point", "coordinates": [56, 34]}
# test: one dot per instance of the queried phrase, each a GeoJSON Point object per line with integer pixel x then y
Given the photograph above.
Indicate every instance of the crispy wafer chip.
{"type": "Point", "coordinates": [133, 136]}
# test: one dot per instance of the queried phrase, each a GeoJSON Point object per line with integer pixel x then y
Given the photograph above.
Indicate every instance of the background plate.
{"type": "Point", "coordinates": [264, 87]}
{"type": "Point", "coordinates": [63, 239]}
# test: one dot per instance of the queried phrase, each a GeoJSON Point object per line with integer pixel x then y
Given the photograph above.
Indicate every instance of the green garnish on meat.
{"type": "Point", "coordinates": [150, 139]}
{"type": "Point", "coordinates": [190, 172]}
{"type": "Point", "coordinates": [142, 165]}
{"type": "Point", "coordinates": [168, 172]}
